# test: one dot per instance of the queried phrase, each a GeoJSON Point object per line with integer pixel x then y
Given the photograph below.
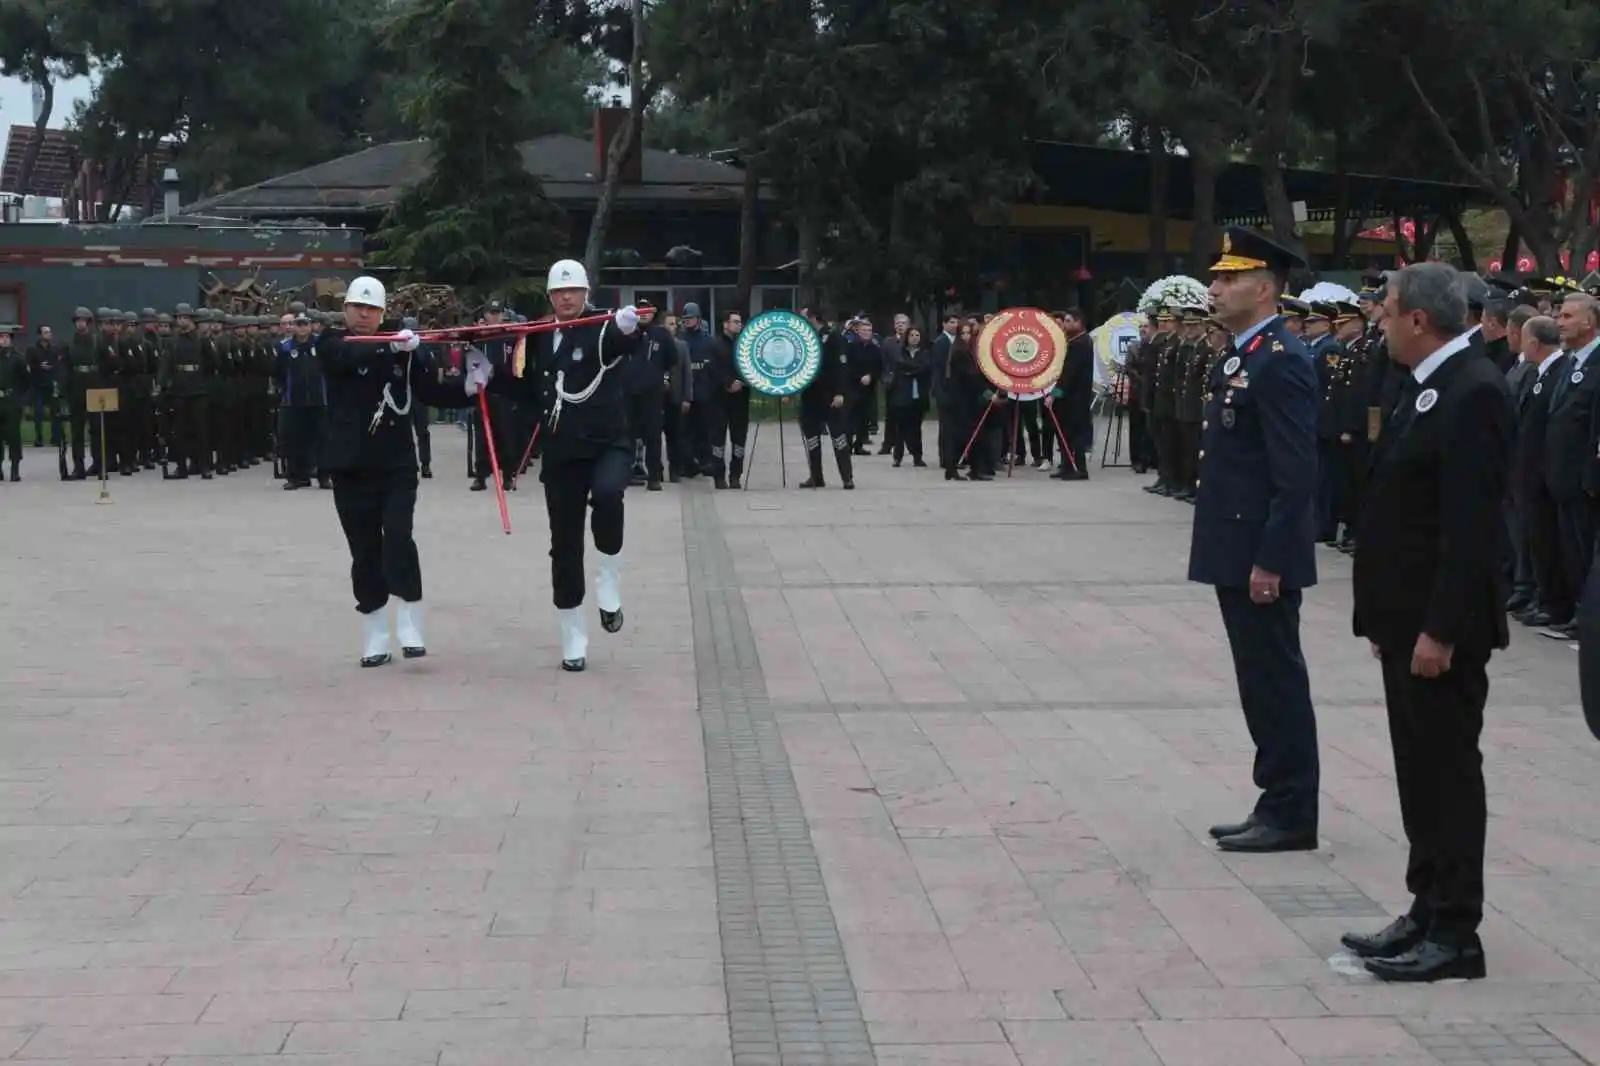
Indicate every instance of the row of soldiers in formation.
{"type": "Point", "coordinates": [194, 390]}
{"type": "Point", "coordinates": [1167, 378]}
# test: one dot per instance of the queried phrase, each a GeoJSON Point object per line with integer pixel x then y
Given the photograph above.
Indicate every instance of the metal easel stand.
{"type": "Point", "coordinates": [1116, 423]}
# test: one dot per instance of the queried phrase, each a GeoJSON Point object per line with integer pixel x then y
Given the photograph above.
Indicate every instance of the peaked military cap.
{"type": "Point", "coordinates": [1344, 311]}
{"type": "Point", "coordinates": [1322, 309]}
{"type": "Point", "coordinates": [1503, 281]}
{"type": "Point", "coordinates": [1289, 307]}
{"type": "Point", "coordinates": [1245, 249]}
{"type": "Point", "coordinates": [1165, 313]}
{"type": "Point", "coordinates": [1195, 313]}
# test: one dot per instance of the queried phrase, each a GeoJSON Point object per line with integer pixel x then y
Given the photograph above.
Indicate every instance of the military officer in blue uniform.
{"type": "Point", "coordinates": [1254, 533]}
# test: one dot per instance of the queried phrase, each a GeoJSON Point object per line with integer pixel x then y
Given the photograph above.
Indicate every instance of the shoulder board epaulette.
{"type": "Point", "coordinates": [1277, 346]}
{"type": "Point", "coordinates": [1255, 342]}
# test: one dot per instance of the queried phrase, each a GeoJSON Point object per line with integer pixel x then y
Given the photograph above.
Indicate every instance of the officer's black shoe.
{"type": "Point", "coordinates": [1160, 486]}
{"type": "Point", "coordinates": [1233, 829]}
{"type": "Point", "coordinates": [813, 483]}
{"type": "Point", "coordinates": [1433, 960]}
{"type": "Point", "coordinates": [292, 483]}
{"type": "Point", "coordinates": [376, 660]}
{"type": "Point", "coordinates": [1396, 938]}
{"type": "Point", "coordinates": [982, 476]}
{"type": "Point", "coordinates": [720, 482]}
{"type": "Point", "coordinates": [148, 465]}
{"type": "Point", "coordinates": [674, 477]}
{"type": "Point", "coordinates": [206, 476]}
{"type": "Point", "coordinates": [324, 483]}
{"type": "Point", "coordinates": [508, 482]}
{"type": "Point", "coordinates": [127, 471]}
{"type": "Point", "coordinates": [1261, 839]}
{"type": "Point", "coordinates": [478, 485]}
{"type": "Point", "coordinates": [1519, 602]}
{"type": "Point", "coordinates": [1535, 618]}
{"type": "Point", "coordinates": [427, 471]}
{"type": "Point", "coordinates": [179, 474]}
{"type": "Point", "coordinates": [14, 475]}
{"type": "Point", "coordinates": [611, 621]}
{"type": "Point", "coordinates": [849, 485]}
{"type": "Point", "coordinates": [654, 485]}
{"type": "Point", "coordinates": [918, 462]}
{"type": "Point", "coordinates": [574, 666]}
{"type": "Point", "coordinates": [733, 483]}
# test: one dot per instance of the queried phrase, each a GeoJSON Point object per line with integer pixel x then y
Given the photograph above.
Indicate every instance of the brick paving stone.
{"type": "Point", "coordinates": [857, 784]}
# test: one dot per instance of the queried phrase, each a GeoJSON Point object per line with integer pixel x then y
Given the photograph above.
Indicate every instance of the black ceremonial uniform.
{"type": "Point", "coordinates": [1194, 359]}
{"type": "Point", "coordinates": [649, 375]}
{"type": "Point", "coordinates": [371, 453]}
{"type": "Point", "coordinates": [303, 394]}
{"type": "Point", "coordinates": [819, 416]}
{"type": "Point", "coordinates": [14, 378]}
{"type": "Point", "coordinates": [729, 413]}
{"type": "Point", "coordinates": [587, 443]}
{"type": "Point", "coordinates": [1333, 453]}
{"type": "Point", "coordinates": [502, 423]}
{"type": "Point", "coordinates": [182, 378]}
{"type": "Point", "coordinates": [1164, 412]}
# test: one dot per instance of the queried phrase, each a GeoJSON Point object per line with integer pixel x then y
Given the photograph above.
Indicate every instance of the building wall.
{"type": "Point", "coordinates": [47, 270]}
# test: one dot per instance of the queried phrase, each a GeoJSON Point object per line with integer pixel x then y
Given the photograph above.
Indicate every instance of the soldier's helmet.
{"type": "Point", "coordinates": [129, 318]}
{"type": "Point", "coordinates": [164, 318]}
{"type": "Point", "coordinates": [183, 311]}
{"type": "Point", "coordinates": [103, 313]}
{"type": "Point", "coordinates": [297, 307]}
{"type": "Point", "coordinates": [408, 323]}
{"type": "Point", "coordinates": [148, 313]}
{"type": "Point", "coordinates": [82, 312]}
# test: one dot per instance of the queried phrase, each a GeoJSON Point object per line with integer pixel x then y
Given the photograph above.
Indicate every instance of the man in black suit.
{"type": "Point", "coordinates": [1429, 596]}
{"type": "Point", "coordinates": [1254, 533]}
{"type": "Point", "coordinates": [1545, 597]}
{"type": "Point", "coordinates": [1570, 442]}
{"type": "Point", "coordinates": [1072, 407]}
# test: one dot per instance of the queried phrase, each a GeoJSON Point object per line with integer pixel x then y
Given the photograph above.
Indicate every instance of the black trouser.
{"type": "Point", "coordinates": [646, 411]}
{"type": "Point", "coordinates": [44, 409]}
{"type": "Point", "coordinates": [1275, 694]}
{"type": "Point", "coordinates": [891, 431]}
{"type": "Point", "coordinates": [863, 414]}
{"type": "Point", "coordinates": [1434, 725]}
{"type": "Point", "coordinates": [672, 428]}
{"type": "Point", "coordinates": [1333, 485]}
{"type": "Point", "coordinates": [1141, 452]}
{"type": "Point", "coordinates": [302, 441]}
{"type": "Point", "coordinates": [376, 509]}
{"type": "Point", "coordinates": [508, 450]}
{"type": "Point", "coordinates": [224, 429]}
{"type": "Point", "coordinates": [188, 420]}
{"type": "Point", "coordinates": [695, 431]}
{"type": "Point", "coordinates": [420, 423]}
{"type": "Point", "coordinates": [951, 439]}
{"type": "Point", "coordinates": [730, 418]}
{"type": "Point", "coordinates": [1542, 528]}
{"type": "Point", "coordinates": [79, 432]}
{"type": "Point", "coordinates": [1162, 433]}
{"type": "Point", "coordinates": [570, 489]}
{"type": "Point", "coordinates": [832, 423]}
{"type": "Point", "coordinates": [904, 429]}
{"type": "Point", "coordinates": [988, 421]}
{"type": "Point", "coordinates": [1188, 462]}
{"type": "Point", "coordinates": [11, 428]}
{"type": "Point", "coordinates": [1575, 527]}
{"type": "Point", "coordinates": [1360, 452]}
{"type": "Point", "coordinates": [1589, 653]}
{"type": "Point", "coordinates": [1039, 447]}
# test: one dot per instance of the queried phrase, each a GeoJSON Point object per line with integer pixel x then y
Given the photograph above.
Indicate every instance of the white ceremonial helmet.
{"type": "Point", "coordinates": [366, 291]}
{"type": "Point", "coordinates": [567, 274]}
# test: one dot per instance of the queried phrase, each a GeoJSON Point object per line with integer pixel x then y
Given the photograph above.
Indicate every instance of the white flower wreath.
{"type": "Point", "coordinates": [1174, 291]}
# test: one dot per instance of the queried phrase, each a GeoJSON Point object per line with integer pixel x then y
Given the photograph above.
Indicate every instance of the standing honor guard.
{"type": "Point", "coordinates": [588, 446]}
{"type": "Point", "coordinates": [372, 454]}
{"type": "Point", "coordinates": [1254, 533]}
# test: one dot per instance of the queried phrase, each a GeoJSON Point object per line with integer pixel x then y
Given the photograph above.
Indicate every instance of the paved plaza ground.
{"type": "Point", "coordinates": [917, 775]}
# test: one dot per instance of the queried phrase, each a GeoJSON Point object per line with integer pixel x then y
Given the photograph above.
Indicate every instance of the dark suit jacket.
{"type": "Point", "coordinates": [1077, 392]}
{"type": "Point", "coordinates": [1532, 404]}
{"type": "Point", "coordinates": [1568, 446]}
{"type": "Point", "coordinates": [1257, 488]}
{"type": "Point", "coordinates": [1427, 540]}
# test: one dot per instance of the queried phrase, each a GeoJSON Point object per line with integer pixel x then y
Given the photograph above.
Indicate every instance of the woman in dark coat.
{"type": "Point", "coordinates": [908, 396]}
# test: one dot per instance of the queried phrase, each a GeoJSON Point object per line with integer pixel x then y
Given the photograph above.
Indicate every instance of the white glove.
{"type": "Point", "coordinates": [479, 371]}
{"type": "Point", "coordinates": [407, 341]}
{"type": "Point", "coordinates": [628, 319]}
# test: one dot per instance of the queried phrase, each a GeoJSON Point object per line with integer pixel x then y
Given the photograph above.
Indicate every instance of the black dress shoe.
{"type": "Point", "coordinates": [1432, 960]}
{"type": "Point", "coordinates": [1396, 938]}
{"type": "Point", "coordinates": [1518, 603]}
{"type": "Point", "coordinates": [1533, 616]}
{"type": "Point", "coordinates": [478, 485]}
{"type": "Point", "coordinates": [1233, 829]}
{"type": "Point", "coordinates": [611, 621]}
{"type": "Point", "coordinates": [1262, 838]}
{"type": "Point", "coordinates": [574, 666]}
{"type": "Point", "coordinates": [653, 486]}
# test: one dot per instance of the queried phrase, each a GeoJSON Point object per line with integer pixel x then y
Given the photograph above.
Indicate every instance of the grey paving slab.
{"type": "Point", "coordinates": [918, 774]}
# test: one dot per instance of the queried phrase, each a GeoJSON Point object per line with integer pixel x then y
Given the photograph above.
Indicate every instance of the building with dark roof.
{"type": "Point", "coordinates": [673, 237]}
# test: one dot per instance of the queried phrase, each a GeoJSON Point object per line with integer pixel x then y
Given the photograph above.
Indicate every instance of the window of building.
{"type": "Point", "coordinates": [10, 308]}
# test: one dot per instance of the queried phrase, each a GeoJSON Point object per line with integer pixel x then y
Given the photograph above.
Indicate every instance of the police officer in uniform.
{"type": "Point", "coordinates": [823, 414]}
{"type": "Point", "coordinates": [14, 379]}
{"type": "Point", "coordinates": [1254, 533]}
{"type": "Point", "coordinates": [303, 392]}
{"type": "Point", "coordinates": [371, 453]}
{"type": "Point", "coordinates": [1141, 372]}
{"type": "Point", "coordinates": [577, 375]}
{"type": "Point", "coordinates": [421, 419]}
{"type": "Point", "coordinates": [730, 413]}
{"type": "Point", "coordinates": [502, 416]}
{"type": "Point", "coordinates": [650, 373]}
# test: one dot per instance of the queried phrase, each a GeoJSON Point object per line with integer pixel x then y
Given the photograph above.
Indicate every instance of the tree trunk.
{"type": "Point", "coordinates": [809, 234]}
{"type": "Point", "coordinates": [621, 145]}
{"type": "Point", "coordinates": [1510, 252]}
{"type": "Point", "coordinates": [749, 234]}
{"type": "Point", "coordinates": [1272, 141]}
{"type": "Point", "coordinates": [1464, 249]}
{"type": "Point", "coordinates": [1203, 239]}
{"type": "Point", "coordinates": [1156, 257]}
{"type": "Point", "coordinates": [1342, 231]}
{"type": "Point", "coordinates": [31, 156]}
